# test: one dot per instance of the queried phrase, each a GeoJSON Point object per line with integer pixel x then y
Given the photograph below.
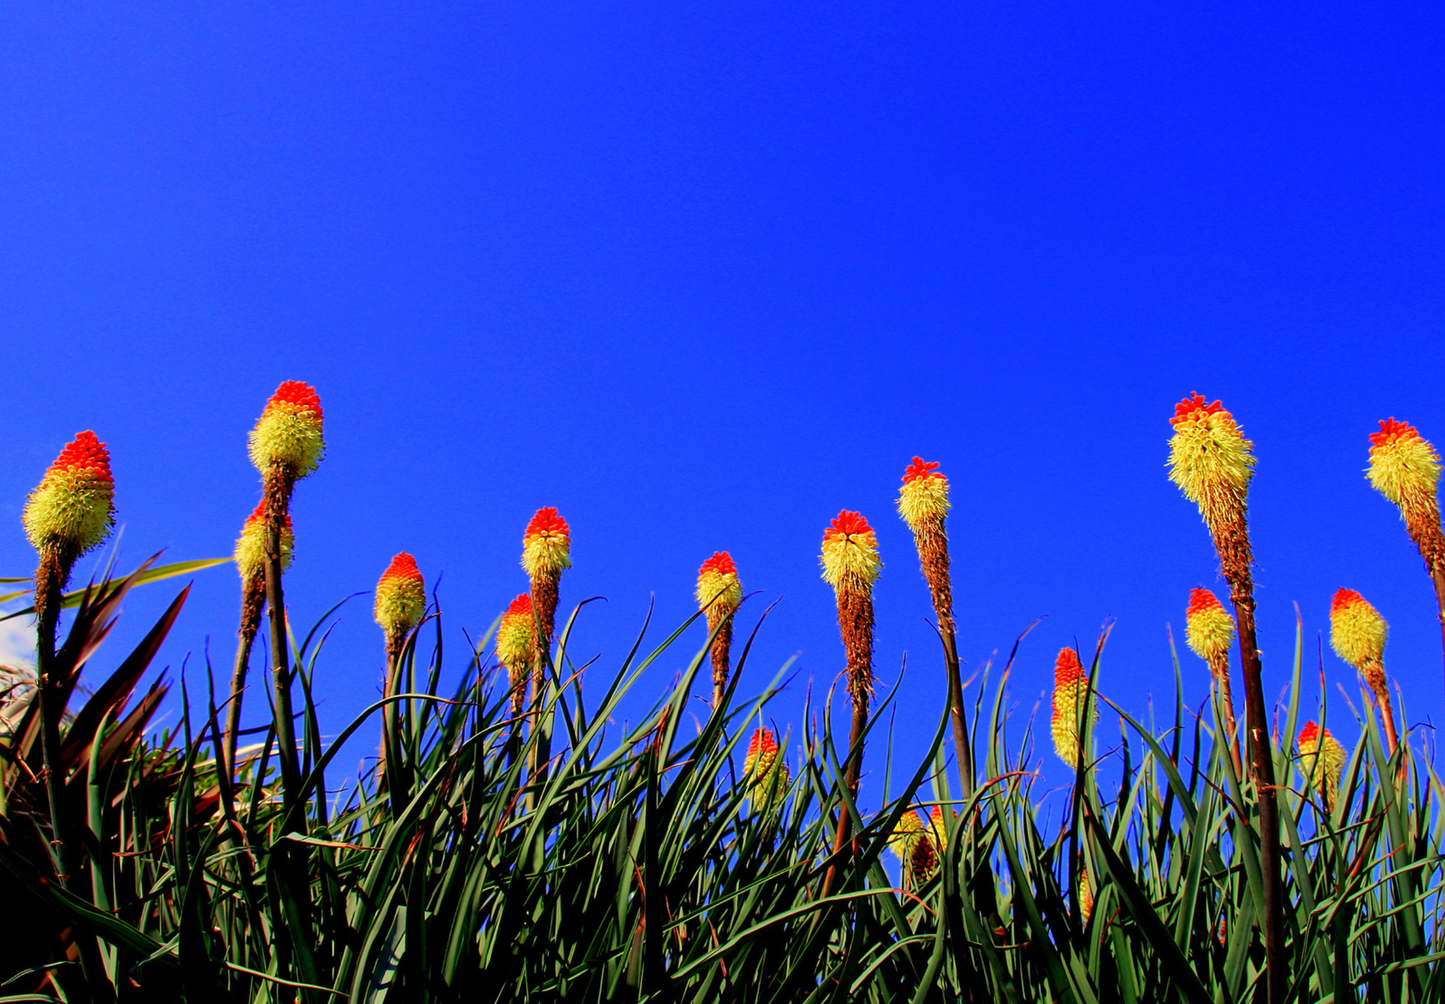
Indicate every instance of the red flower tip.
{"type": "Point", "coordinates": [520, 607]}
{"type": "Point", "coordinates": [1202, 599]}
{"type": "Point", "coordinates": [763, 742]}
{"type": "Point", "coordinates": [299, 393]}
{"type": "Point", "coordinates": [1344, 598]}
{"type": "Point", "coordinates": [546, 521]}
{"type": "Point", "coordinates": [85, 451]}
{"type": "Point", "coordinates": [1308, 733]}
{"type": "Point", "coordinates": [1391, 430]}
{"type": "Point", "coordinates": [721, 563]}
{"type": "Point", "coordinates": [403, 566]}
{"type": "Point", "coordinates": [1184, 410]}
{"type": "Point", "coordinates": [1068, 669]}
{"type": "Point", "coordinates": [846, 524]}
{"type": "Point", "coordinates": [922, 469]}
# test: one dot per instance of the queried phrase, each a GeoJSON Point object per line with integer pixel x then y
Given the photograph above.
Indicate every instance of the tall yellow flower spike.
{"type": "Point", "coordinates": [1070, 689]}
{"type": "Point", "coordinates": [288, 433]}
{"type": "Point", "coordinates": [1324, 760]}
{"type": "Point", "coordinates": [73, 507]}
{"type": "Point", "coordinates": [1209, 459]}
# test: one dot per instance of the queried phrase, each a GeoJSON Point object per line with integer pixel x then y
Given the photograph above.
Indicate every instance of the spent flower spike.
{"type": "Point", "coordinates": [400, 596]}
{"type": "Point", "coordinates": [1209, 629]}
{"type": "Point", "coordinates": [850, 552]}
{"type": "Point", "coordinates": [73, 506]}
{"type": "Point", "coordinates": [287, 436]}
{"type": "Point", "coordinates": [546, 544]}
{"type": "Point", "coordinates": [923, 498]}
{"type": "Point", "coordinates": [250, 551]}
{"type": "Point", "coordinates": [1070, 688]}
{"type": "Point", "coordinates": [1209, 458]}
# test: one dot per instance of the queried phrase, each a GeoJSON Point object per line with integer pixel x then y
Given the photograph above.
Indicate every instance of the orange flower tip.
{"type": "Point", "coordinates": [1208, 628]}
{"type": "Point", "coordinates": [250, 552]}
{"type": "Point", "coordinates": [400, 595]}
{"type": "Point", "coordinates": [287, 436]}
{"type": "Point", "coordinates": [1357, 631]}
{"type": "Point", "coordinates": [516, 633]}
{"type": "Point", "coordinates": [1209, 458]}
{"type": "Point", "coordinates": [1309, 733]}
{"type": "Point", "coordinates": [1067, 668]}
{"type": "Point", "coordinates": [923, 499]}
{"type": "Point", "coordinates": [1404, 467]}
{"type": "Point", "coordinates": [546, 544]}
{"type": "Point", "coordinates": [74, 504]}
{"type": "Point", "coordinates": [718, 588]}
{"type": "Point", "coordinates": [850, 553]}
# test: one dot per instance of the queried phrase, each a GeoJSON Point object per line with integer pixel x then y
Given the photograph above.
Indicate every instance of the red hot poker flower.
{"type": "Point", "coordinates": [400, 596]}
{"type": "Point", "coordinates": [73, 506]}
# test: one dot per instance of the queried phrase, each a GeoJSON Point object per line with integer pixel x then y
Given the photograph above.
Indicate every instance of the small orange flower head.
{"type": "Point", "coordinates": [718, 589]}
{"type": "Point", "coordinates": [547, 544]}
{"type": "Point", "coordinates": [923, 499]}
{"type": "Point", "coordinates": [73, 506]}
{"type": "Point", "coordinates": [766, 772]}
{"type": "Point", "coordinates": [1404, 467]}
{"type": "Point", "coordinates": [288, 433]}
{"type": "Point", "coordinates": [1324, 760]}
{"type": "Point", "coordinates": [516, 633]}
{"type": "Point", "coordinates": [1209, 458]}
{"type": "Point", "coordinates": [1208, 628]}
{"type": "Point", "coordinates": [251, 545]}
{"type": "Point", "coordinates": [400, 596]}
{"type": "Point", "coordinates": [850, 553]}
{"type": "Point", "coordinates": [1357, 631]}
{"type": "Point", "coordinates": [1070, 688]}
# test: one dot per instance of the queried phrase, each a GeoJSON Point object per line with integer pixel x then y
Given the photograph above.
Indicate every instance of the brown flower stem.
{"type": "Point", "coordinates": [1231, 540]}
{"type": "Point", "coordinates": [253, 601]}
{"type": "Point", "coordinates": [545, 591]}
{"type": "Point", "coordinates": [721, 646]}
{"type": "Point", "coordinates": [1437, 575]}
{"type": "Point", "coordinates": [395, 783]}
{"type": "Point", "coordinates": [932, 543]}
{"type": "Point", "coordinates": [1219, 668]}
{"type": "Point", "coordinates": [278, 485]}
{"type": "Point", "coordinates": [855, 620]}
{"type": "Point", "coordinates": [50, 578]}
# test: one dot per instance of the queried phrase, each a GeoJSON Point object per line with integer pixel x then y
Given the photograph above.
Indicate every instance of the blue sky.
{"type": "Point", "coordinates": [703, 275]}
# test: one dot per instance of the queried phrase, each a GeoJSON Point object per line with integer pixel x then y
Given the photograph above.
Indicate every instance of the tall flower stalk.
{"type": "Point", "coordinates": [1212, 463]}
{"type": "Point", "coordinates": [1357, 634]}
{"type": "Point", "coordinates": [923, 504]}
{"type": "Point", "coordinates": [285, 445]}
{"type": "Point", "coordinates": [399, 608]}
{"type": "Point", "coordinates": [719, 594]}
{"type": "Point", "coordinates": [546, 554]}
{"type": "Point", "coordinates": [1209, 632]}
{"type": "Point", "coordinates": [1405, 468]}
{"type": "Point", "coordinates": [250, 556]}
{"type": "Point", "coordinates": [851, 566]}
{"type": "Point", "coordinates": [70, 512]}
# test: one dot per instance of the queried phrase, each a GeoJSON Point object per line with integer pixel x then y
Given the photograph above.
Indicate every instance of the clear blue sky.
{"type": "Point", "coordinates": [701, 275]}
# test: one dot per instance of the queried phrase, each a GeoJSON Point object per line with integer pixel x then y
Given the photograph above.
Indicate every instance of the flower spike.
{"type": "Point", "coordinates": [923, 498]}
{"type": "Point", "coordinates": [288, 433]}
{"type": "Point", "coordinates": [516, 638]}
{"type": "Point", "coordinates": [400, 597]}
{"type": "Point", "coordinates": [850, 553]}
{"type": "Point", "coordinates": [766, 772]}
{"type": "Point", "coordinates": [1209, 458]}
{"type": "Point", "coordinates": [73, 509]}
{"type": "Point", "coordinates": [1324, 760]}
{"type": "Point", "coordinates": [1070, 688]}
{"type": "Point", "coordinates": [719, 594]}
{"type": "Point", "coordinates": [546, 544]}
{"type": "Point", "coordinates": [1209, 631]}
{"type": "Point", "coordinates": [1357, 634]}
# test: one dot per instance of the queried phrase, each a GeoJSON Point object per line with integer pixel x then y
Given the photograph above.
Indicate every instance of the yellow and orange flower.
{"type": "Point", "coordinates": [936, 826]}
{"type": "Point", "coordinates": [1070, 690]}
{"type": "Point", "coordinates": [1357, 631]}
{"type": "Point", "coordinates": [517, 633]}
{"type": "Point", "coordinates": [73, 507]}
{"type": "Point", "coordinates": [400, 596]}
{"type": "Point", "coordinates": [923, 499]}
{"type": "Point", "coordinates": [1324, 760]}
{"type": "Point", "coordinates": [546, 544]}
{"type": "Point", "coordinates": [1404, 467]}
{"type": "Point", "coordinates": [850, 553]}
{"type": "Point", "coordinates": [718, 590]}
{"type": "Point", "coordinates": [1209, 459]}
{"type": "Point", "coordinates": [287, 436]}
{"type": "Point", "coordinates": [906, 835]}
{"type": "Point", "coordinates": [1209, 630]}
{"type": "Point", "coordinates": [251, 545]}
{"type": "Point", "coordinates": [764, 770]}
